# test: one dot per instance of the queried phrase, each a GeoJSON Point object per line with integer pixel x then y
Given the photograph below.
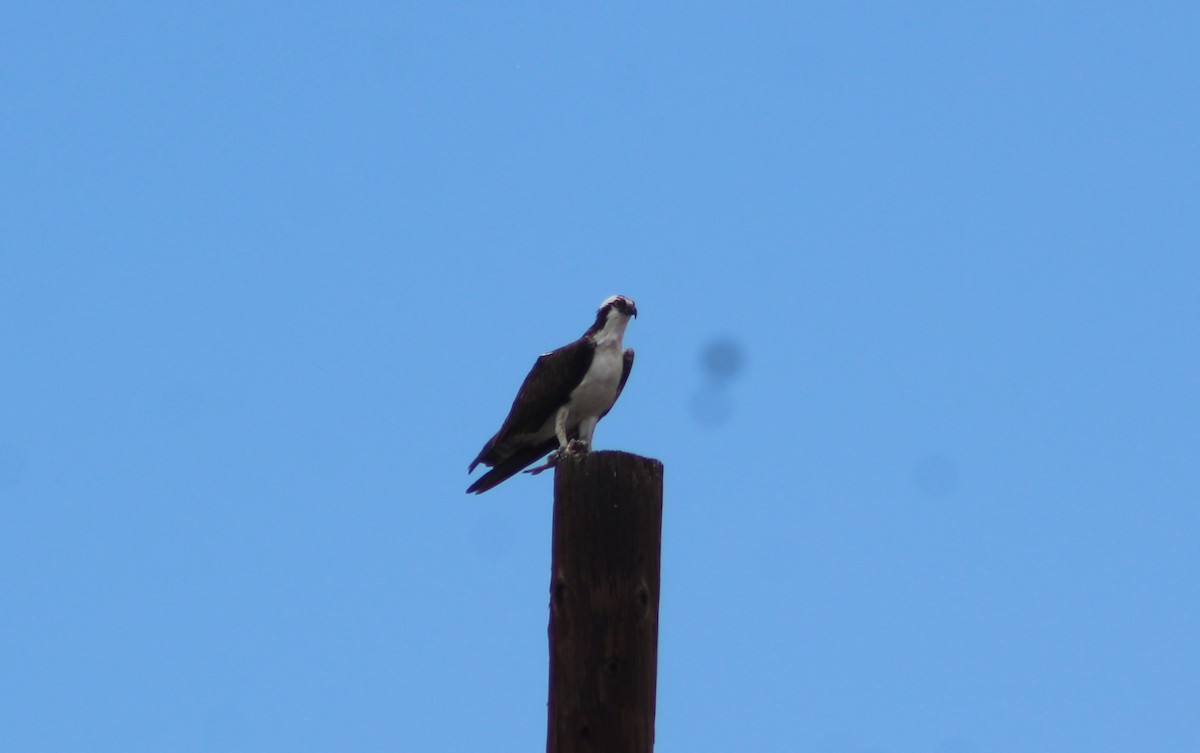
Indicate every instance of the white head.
{"type": "Point", "coordinates": [613, 315]}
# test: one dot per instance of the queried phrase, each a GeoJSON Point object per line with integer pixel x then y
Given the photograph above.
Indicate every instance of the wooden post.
{"type": "Point", "coordinates": [604, 603]}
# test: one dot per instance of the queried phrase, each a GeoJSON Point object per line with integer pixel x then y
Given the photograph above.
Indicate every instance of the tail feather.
{"type": "Point", "coordinates": [511, 466]}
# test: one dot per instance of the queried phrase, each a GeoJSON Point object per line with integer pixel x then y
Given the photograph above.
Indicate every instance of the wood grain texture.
{"type": "Point", "coordinates": [604, 595]}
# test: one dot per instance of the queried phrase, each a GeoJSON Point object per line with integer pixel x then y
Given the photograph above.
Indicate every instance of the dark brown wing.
{"type": "Point", "coordinates": [547, 387]}
{"type": "Point", "coordinates": [512, 465]}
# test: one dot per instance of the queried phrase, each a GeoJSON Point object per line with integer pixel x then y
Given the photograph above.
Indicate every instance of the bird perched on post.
{"type": "Point", "coordinates": [565, 394]}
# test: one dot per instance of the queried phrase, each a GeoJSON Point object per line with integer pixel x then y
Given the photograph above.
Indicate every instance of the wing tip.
{"type": "Point", "coordinates": [482, 484]}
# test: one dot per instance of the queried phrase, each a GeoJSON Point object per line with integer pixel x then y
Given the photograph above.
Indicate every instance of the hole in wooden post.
{"type": "Point", "coordinates": [643, 598]}
{"type": "Point", "coordinates": [613, 665]}
{"type": "Point", "coordinates": [585, 732]}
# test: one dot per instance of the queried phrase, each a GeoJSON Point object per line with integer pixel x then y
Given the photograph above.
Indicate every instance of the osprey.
{"type": "Point", "coordinates": [566, 393]}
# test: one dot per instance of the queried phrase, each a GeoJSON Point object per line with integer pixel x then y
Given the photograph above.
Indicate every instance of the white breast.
{"type": "Point", "coordinates": [598, 390]}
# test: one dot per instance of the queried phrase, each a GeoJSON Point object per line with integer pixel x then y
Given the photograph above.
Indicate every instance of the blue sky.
{"type": "Point", "coordinates": [271, 276]}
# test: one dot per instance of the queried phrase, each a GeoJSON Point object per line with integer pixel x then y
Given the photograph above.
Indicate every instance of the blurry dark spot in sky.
{"type": "Point", "coordinates": [712, 406]}
{"type": "Point", "coordinates": [722, 358]}
{"type": "Point", "coordinates": [935, 475]}
{"type": "Point", "coordinates": [12, 465]}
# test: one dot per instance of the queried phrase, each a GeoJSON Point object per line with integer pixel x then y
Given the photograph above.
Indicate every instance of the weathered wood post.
{"type": "Point", "coordinates": [604, 587]}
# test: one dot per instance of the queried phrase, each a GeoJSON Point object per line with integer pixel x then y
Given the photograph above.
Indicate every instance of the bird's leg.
{"type": "Point", "coordinates": [565, 444]}
{"type": "Point", "coordinates": [560, 428]}
{"type": "Point", "coordinates": [584, 443]}
{"type": "Point", "coordinates": [560, 431]}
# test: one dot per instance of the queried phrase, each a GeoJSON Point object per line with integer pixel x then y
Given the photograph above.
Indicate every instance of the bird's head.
{"type": "Point", "coordinates": [618, 304]}
{"type": "Point", "coordinates": [612, 316]}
